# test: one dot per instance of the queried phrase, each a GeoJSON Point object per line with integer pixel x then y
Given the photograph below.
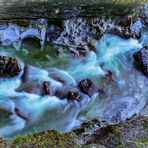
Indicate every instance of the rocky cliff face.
{"type": "Point", "coordinates": [34, 9]}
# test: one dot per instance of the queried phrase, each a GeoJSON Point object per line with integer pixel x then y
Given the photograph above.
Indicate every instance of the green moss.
{"type": "Point", "coordinates": [128, 2]}
{"type": "Point", "coordinates": [132, 133]}
{"type": "Point", "coordinates": [144, 140]}
{"type": "Point", "coordinates": [48, 138]}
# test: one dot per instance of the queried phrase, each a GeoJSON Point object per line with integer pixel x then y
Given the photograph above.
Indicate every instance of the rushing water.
{"type": "Point", "coordinates": [119, 89]}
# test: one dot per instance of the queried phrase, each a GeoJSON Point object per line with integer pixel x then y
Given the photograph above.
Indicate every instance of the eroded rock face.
{"type": "Point", "coordinates": [52, 33]}
{"type": "Point", "coordinates": [131, 133]}
{"type": "Point", "coordinates": [141, 58]}
{"type": "Point", "coordinates": [9, 67]}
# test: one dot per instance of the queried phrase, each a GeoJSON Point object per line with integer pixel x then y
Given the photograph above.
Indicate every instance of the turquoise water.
{"type": "Point", "coordinates": [123, 98]}
{"type": "Point", "coordinates": [119, 89]}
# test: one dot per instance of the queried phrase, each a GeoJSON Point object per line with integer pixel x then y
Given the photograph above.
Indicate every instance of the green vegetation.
{"type": "Point", "coordinates": [42, 139]}
{"type": "Point", "coordinates": [132, 133]}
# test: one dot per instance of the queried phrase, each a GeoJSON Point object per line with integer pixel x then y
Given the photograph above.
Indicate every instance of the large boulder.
{"type": "Point", "coordinates": [73, 95]}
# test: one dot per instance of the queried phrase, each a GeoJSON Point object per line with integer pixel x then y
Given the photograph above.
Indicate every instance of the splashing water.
{"type": "Point", "coordinates": [119, 90]}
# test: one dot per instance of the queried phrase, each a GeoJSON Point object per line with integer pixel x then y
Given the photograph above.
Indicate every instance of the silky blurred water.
{"type": "Point", "coordinates": [125, 96]}
{"type": "Point", "coordinates": [120, 90]}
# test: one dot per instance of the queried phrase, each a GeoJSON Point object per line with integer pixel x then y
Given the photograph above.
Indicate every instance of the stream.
{"type": "Point", "coordinates": [115, 90]}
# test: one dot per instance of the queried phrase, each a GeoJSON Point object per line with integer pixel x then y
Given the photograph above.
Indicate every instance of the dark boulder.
{"type": "Point", "coordinates": [9, 67]}
{"type": "Point", "coordinates": [141, 58]}
{"type": "Point", "coordinates": [34, 87]}
{"type": "Point", "coordinates": [86, 86]}
{"type": "Point", "coordinates": [73, 95]}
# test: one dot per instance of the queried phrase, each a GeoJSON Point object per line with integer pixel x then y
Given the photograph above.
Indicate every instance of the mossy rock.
{"type": "Point", "coordinates": [2, 143]}
{"type": "Point", "coordinates": [130, 134]}
{"type": "Point", "coordinates": [46, 139]}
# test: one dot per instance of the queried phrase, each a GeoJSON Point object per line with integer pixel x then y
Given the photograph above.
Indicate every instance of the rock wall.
{"type": "Point", "coordinates": [33, 9]}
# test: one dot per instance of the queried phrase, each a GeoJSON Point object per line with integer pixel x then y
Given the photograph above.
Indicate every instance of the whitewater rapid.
{"type": "Point", "coordinates": [115, 98]}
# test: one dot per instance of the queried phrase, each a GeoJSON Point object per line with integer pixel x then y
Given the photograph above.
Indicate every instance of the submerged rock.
{"type": "Point", "coordinates": [9, 67]}
{"type": "Point", "coordinates": [25, 75]}
{"type": "Point", "coordinates": [86, 86]}
{"type": "Point", "coordinates": [34, 87]}
{"type": "Point", "coordinates": [141, 57]}
{"type": "Point", "coordinates": [19, 114]}
{"type": "Point", "coordinates": [30, 87]}
{"type": "Point", "coordinates": [46, 88]}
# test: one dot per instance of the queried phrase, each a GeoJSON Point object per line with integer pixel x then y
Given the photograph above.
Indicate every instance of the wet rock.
{"type": "Point", "coordinates": [136, 29]}
{"type": "Point", "coordinates": [141, 58]}
{"type": "Point", "coordinates": [46, 88]}
{"type": "Point", "coordinates": [52, 33]}
{"type": "Point", "coordinates": [101, 92]}
{"type": "Point", "coordinates": [9, 34]}
{"type": "Point", "coordinates": [130, 133]}
{"type": "Point", "coordinates": [143, 14]}
{"type": "Point", "coordinates": [73, 95]}
{"type": "Point", "coordinates": [59, 79]}
{"type": "Point", "coordinates": [18, 113]}
{"type": "Point", "coordinates": [30, 87]}
{"type": "Point", "coordinates": [123, 32]}
{"type": "Point", "coordinates": [34, 87]}
{"type": "Point", "coordinates": [60, 94]}
{"type": "Point", "coordinates": [75, 33]}
{"type": "Point", "coordinates": [25, 75]}
{"type": "Point", "coordinates": [86, 86]}
{"type": "Point", "coordinates": [80, 52]}
{"type": "Point", "coordinates": [9, 67]}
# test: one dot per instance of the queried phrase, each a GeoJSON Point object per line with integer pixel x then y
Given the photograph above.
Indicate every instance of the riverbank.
{"type": "Point", "coordinates": [132, 133]}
